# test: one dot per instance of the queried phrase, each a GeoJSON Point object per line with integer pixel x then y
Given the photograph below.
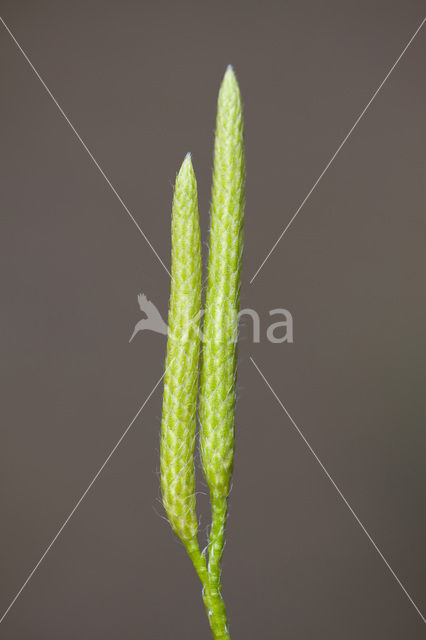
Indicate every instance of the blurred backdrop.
{"type": "Point", "coordinates": [139, 81]}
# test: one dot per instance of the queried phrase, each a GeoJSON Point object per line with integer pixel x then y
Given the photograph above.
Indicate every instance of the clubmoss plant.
{"type": "Point", "coordinates": [219, 349]}
{"type": "Point", "coordinates": [181, 376]}
{"type": "Point", "coordinates": [218, 365]}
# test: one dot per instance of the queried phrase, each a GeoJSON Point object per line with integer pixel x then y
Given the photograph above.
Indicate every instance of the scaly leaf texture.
{"type": "Point", "coordinates": [181, 375]}
{"type": "Point", "coordinates": [219, 349]}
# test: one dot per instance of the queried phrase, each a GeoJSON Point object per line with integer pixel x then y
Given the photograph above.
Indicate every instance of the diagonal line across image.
{"type": "Point", "coordinates": [335, 154]}
{"type": "Point", "coordinates": [313, 452]}
{"type": "Point", "coordinates": [100, 470]}
{"type": "Point", "coordinates": [82, 497]}
{"type": "Point", "coordinates": [86, 148]}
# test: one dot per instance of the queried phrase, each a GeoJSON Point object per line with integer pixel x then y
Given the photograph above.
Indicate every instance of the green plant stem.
{"type": "Point", "coordinates": [215, 607]}
{"type": "Point", "coordinates": [216, 544]}
{"type": "Point", "coordinates": [198, 560]}
{"type": "Point", "coordinates": [216, 614]}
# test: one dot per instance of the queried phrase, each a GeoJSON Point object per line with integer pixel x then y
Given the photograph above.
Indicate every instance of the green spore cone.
{"type": "Point", "coordinates": [219, 351]}
{"type": "Point", "coordinates": [181, 376]}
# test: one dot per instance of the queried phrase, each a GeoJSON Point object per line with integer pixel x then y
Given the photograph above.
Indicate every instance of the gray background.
{"type": "Point", "coordinates": [139, 81]}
